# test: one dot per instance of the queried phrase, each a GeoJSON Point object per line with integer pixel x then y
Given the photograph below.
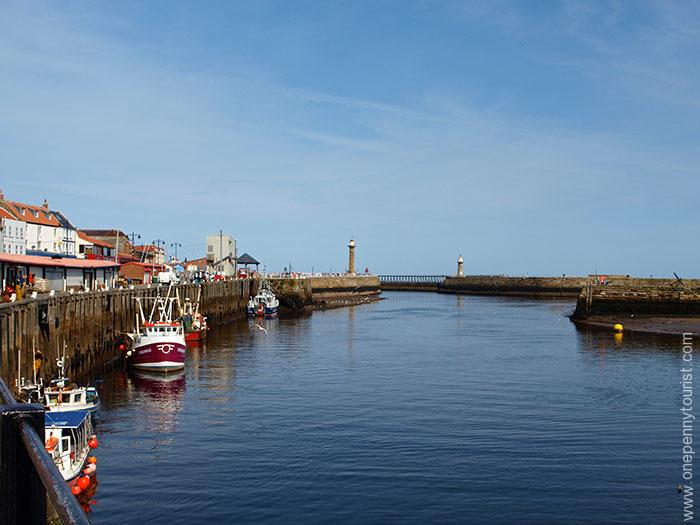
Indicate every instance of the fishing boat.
{"type": "Point", "coordinates": [194, 323]}
{"type": "Point", "coordinates": [159, 341]}
{"type": "Point", "coordinates": [264, 304]}
{"type": "Point", "coordinates": [69, 439]}
{"type": "Point", "coordinates": [30, 390]}
{"type": "Point", "coordinates": [61, 396]}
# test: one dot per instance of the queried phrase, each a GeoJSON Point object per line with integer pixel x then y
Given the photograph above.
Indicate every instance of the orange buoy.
{"type": "Point", "coordinates": [92, 459]}
{"type": "Point", "coordinates": [93, 443]}
{"type": "Point", "coordinates": [122, 347]}
{"type": "Point", "coordinates": [51, 443]}
{"type": "Point", "coordinates": [83, 482]}
{"type": "Point", "coordinates": [76, 490]}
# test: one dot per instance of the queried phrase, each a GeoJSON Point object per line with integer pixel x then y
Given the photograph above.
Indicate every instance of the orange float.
{"type": "Point", "coordinates": [51, 443]}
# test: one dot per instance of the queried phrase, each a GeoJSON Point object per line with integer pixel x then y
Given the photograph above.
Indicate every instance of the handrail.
{"type": "Point", "coordinates": [410, 279]}
{"type": "Point", "coordinates": [28, 473]}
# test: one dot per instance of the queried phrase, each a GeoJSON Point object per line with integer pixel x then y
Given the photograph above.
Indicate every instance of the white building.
{"type": "Point", "coordinates": [221, 254]}
{"type": "Point", "coordinates": [12, 234]}
{"type": "Point", "coordinates": [47, 232]}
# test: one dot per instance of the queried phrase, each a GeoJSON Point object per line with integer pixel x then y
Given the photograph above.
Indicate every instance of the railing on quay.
{"type": "Point", "coordinates": [28, 476]}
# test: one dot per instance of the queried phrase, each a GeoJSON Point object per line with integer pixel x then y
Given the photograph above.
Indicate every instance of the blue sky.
{"type": "Point", "coordinates": [532, 137]}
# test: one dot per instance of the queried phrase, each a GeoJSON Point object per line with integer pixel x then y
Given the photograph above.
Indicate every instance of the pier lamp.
{"type": "Point", "coordinates": [351, 257]}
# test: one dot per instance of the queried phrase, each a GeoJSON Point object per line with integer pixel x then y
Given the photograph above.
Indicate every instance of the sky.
{"type": "Point", "coordinates": [533, 138]}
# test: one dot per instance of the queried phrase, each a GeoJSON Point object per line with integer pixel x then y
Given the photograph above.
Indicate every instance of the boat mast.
{"type": "Point", "coordinates": [34, 358]}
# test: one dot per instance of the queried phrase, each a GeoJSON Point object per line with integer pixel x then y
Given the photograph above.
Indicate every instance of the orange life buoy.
{"type": "Point", "coordinates": [51, 443]}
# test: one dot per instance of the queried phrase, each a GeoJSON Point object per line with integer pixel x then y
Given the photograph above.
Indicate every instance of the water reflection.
{"type": "Point", "coordinates": [164, 398]}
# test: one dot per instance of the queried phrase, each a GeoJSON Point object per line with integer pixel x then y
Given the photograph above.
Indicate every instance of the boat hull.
{"type": "Point", "coordinates": [196, 335]}
{"type": "Point", "coordinates": [264, 312]}
{"type": "Point", "coordinates": [160, 356]}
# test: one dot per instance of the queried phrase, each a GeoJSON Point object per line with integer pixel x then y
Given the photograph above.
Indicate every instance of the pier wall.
{"type": "Point", "coordinates": [325, 291]}
{"type": "Point", "coordinates": [663, 298]}
{"type": "Point", "coordinates": [553, 287]}
{"type": "Point", "coordinates": [93, 324]}
{"type": "Point", "coordinates": [410, 287]}
{"type": "Point", "coordinates": [514, 286]}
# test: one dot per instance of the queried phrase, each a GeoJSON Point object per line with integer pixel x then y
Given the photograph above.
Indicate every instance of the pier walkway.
{"type": "Point", "coordinates": [409, 283]}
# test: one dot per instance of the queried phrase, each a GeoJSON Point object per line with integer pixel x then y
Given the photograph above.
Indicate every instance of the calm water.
{"type": "Point", "coordinates": [420, 408]}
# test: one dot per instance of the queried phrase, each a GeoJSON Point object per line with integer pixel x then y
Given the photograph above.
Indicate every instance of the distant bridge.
{"type": "Point", "coordinates": [411, 282]}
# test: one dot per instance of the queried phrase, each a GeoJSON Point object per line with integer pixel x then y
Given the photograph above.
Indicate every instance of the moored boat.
{"type": "Point", "coordinates": [264, 304]}
{"type": "Point", "coordinates": [60, 396]}
{"type": "Point", "coordinates": [159, 344]}
{"type": "Point", "coordinates": [194, 323]}
{"type": "Point", "coordinates": [69, 439]}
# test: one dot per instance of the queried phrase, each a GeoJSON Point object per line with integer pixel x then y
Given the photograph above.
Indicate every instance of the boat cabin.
{"type": "Point", "coordinates": [160, 329]}
{"type": "Point", "coordinates": [67, 435]}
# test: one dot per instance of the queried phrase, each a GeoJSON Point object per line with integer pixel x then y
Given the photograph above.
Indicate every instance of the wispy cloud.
{"type": "Point", "coordinates": [119, 131]}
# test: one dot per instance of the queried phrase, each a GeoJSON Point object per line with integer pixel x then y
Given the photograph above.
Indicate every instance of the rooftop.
{"type": "Point", "coordinates": [32, 214]}
{"type": "Point", "coordinates": [247, 259]}
{"type": "Point", "coordinates": [37, 260]}
{"type": "Point", "coordinates": [92, 240]}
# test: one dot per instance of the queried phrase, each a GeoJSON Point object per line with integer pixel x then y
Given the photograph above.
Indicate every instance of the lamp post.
{"type": "Point", "coordinates": [158, 242]}
{"type": "Point", "coordinates": [175, 245]}
{"type": "Point", "coordinates": [133, 236]}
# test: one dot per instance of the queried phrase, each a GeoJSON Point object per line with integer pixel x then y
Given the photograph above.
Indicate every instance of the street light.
{"type": "Point", "coordinates": [133, 237]}
{"type": "Point", "coordinates": [176, 245]}
{"type": "Point", "coordinates": [158, 242]}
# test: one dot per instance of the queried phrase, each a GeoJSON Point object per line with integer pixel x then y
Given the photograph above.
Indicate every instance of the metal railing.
{"type": "Point", "coordinates": [28, 475]}
{"type": "Point", "coordinates": [412, 279]}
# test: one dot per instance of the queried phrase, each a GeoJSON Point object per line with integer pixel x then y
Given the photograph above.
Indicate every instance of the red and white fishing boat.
{"type": "Point", "coordinates": [159, 341]}
{"type": "Point", "coordinates": [193, 321]}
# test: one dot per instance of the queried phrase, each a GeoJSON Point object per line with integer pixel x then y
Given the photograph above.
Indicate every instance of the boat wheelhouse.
{"type": "Point", "coordinates": [67, 435]}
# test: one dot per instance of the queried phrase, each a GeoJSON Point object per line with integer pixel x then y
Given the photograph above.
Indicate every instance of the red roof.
{"type": "Point", "coordinates": [7, 215]}
{"type": "Point", "coordinates": [145, 248]}
{"type": "Point", "coordinates": [147, 267]}
{"type": "Point", "coordinates": [33, 214]}
{"type": "Point", "coordinates": [36, 260]}
{"type": "Point", "coordinates": [93, 241]}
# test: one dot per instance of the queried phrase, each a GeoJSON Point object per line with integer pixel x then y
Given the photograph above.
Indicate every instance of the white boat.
{"type": "Point", "coordinates": [60, 397]}
{"type": "Point", "coordinates": [159, 341]}
{"type": "Point", "coordinates": [264, 304]}
{"type": "Point", "coordinates": [67, 436]}
{"type": "Point", "coordinates": [30, 390]}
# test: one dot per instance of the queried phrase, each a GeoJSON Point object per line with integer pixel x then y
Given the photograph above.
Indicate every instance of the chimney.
{"type": "Point", "coordinates": [2, 195]}
{"type": "Point", "coordinates": [46, 204]}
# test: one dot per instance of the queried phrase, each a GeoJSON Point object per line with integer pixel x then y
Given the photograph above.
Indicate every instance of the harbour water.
{"type": "Point", "coordinates": [418, 408]}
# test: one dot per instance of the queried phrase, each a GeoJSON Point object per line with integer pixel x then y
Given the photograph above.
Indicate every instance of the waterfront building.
{"type": "Point", "coordinates": [195, 265]}
{"type": "Point", "coordinates": [140, 272]}
{"type": "Point", "coordinates": [92, 248]}
{"type": "Point", "coordinates": [221, 254]}
{"type": "Point", "coordinates": [150, 253]}
{"type": "Point", "coordinates": [47, 233]}
{"type": "Point", "coordinates": [65, 234]}
{"type": "Point", "coordinates": [118, 242]}
{"type": "Point", "coordinates": [12, 234]}
{"type": "Point", "coordinates": [60, 274]}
